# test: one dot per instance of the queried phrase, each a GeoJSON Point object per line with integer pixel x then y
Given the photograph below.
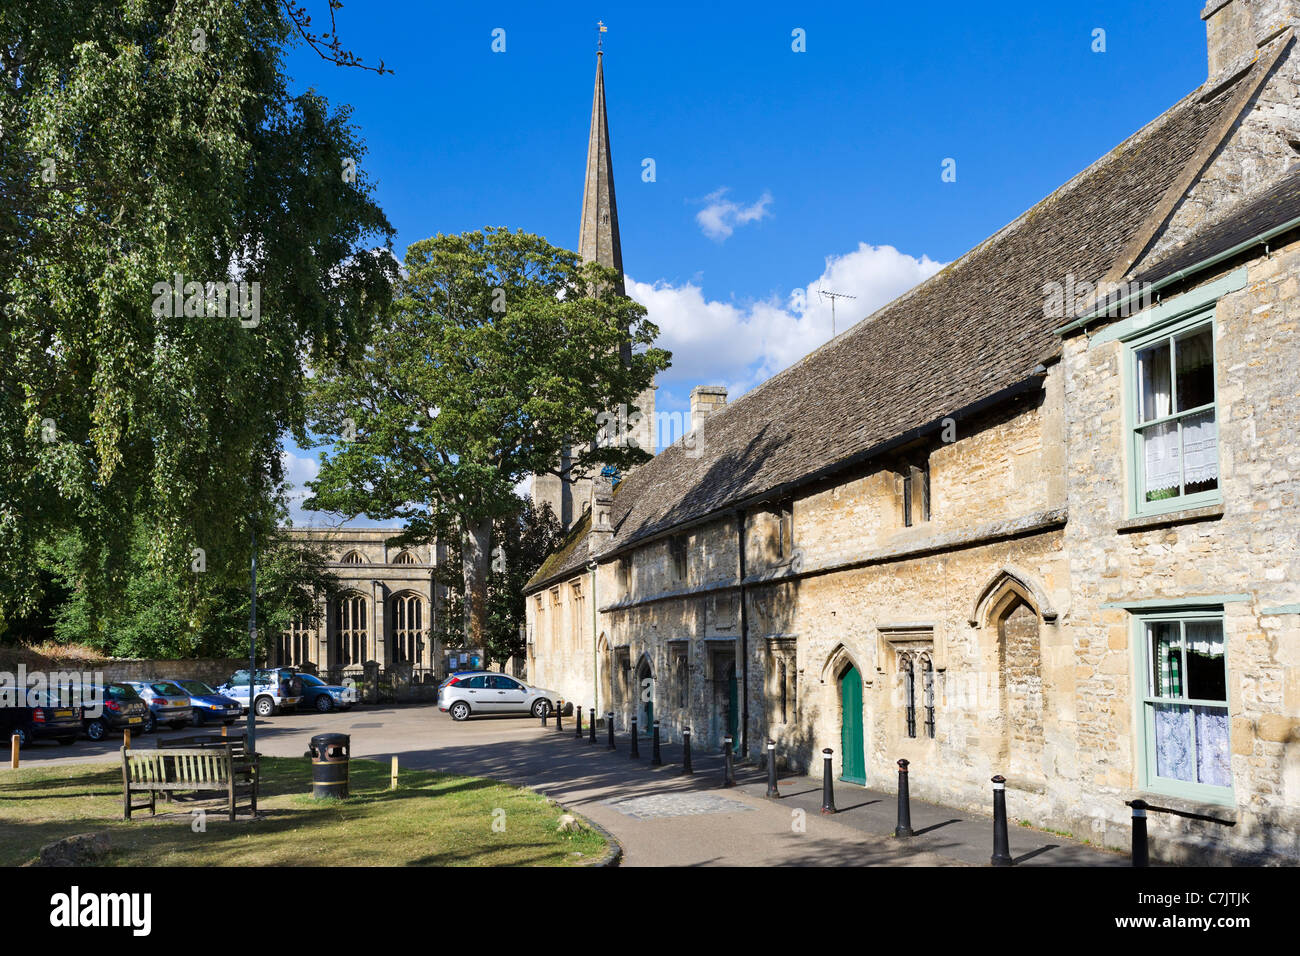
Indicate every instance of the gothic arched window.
{"type": "Point", "coordinates": [351, 629]}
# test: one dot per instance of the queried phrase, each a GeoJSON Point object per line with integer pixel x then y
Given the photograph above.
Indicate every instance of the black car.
{"type": "Point", "coordinates": [121, 709]}
{"type": "Point", "coordinates": [40, 722]}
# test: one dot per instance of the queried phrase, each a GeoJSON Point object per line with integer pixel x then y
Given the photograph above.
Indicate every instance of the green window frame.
{"type": "Point", "coordinates": [1178, 421]}
{"type": "Point", "coordinates": [1183, 718]}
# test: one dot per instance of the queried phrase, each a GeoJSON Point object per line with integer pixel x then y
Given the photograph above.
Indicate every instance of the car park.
{"type": "Point", "coordinates": [207, 705]}
{"type": "Point", "coordinates": [113, 707]}
{"type": "Point", "coordinates": [322, 697]}
{"type": "Point", "coordinates": [168, 703]}
{"type": "Point", "coordinates": [485, 692]}
{"type": "Point", "coordinates": [275, 689]}
{"type": "Point", "coordinates": [48, 717]}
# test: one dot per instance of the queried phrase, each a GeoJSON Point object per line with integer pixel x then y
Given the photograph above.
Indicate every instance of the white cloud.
{"type": "Point", "coordinates": [741, 345]}
{"type": "Point", "coordinates": [721, 216]}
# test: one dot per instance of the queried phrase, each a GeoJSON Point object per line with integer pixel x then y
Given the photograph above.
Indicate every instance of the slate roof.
{"type": "Point", "coordinates": [1276, 206]}
{"type": "Point", "coordinates": [973, 330]}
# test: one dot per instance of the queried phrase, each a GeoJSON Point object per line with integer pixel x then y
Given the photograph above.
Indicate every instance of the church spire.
{"type": "Point", "coordinates": [598, 235]}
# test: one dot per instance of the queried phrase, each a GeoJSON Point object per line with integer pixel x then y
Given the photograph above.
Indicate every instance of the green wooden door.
{"type": "Point", "coordinates": [852, 759]}
{"type": "Point", "coordinates": [733, 708]}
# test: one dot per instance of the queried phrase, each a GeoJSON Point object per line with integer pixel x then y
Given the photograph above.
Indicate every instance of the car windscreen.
{"type": "Point", "coordinates": [165, 688]}
{"type": "Point", "coordinates": [311, 681]}
{"type": "Point", "coordinates": [196, 688]}
{"type": "Point", "coordinates": [122, 692]}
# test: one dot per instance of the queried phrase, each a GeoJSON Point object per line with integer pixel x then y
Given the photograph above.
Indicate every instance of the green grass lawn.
{"type": "Point", "coordinates": [431, 819]}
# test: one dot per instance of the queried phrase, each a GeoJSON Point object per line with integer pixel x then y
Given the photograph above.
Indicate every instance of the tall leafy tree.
{"type": "Point", "coordinates": [145, 144]}
{"type": "Point", "coordinates": [498, 351]}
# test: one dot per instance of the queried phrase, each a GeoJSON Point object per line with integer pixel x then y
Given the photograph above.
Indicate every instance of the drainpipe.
{"type": "Point", "coordinates": [744, 642]}
{"type": "Point", "coordinates": [595, 638]}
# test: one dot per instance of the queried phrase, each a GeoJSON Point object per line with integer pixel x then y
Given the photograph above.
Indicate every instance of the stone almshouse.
{"type": "Point", "coordinates": [995, 529]}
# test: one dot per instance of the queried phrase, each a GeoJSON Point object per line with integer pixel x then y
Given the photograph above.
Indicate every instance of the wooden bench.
{"type": "Point", "coordinates": [205, 769]}
{"type": "Point", "coordinates": [245, 768]}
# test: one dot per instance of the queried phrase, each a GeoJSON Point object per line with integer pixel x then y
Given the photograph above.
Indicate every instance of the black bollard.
{"type": "Point", "coordinates": [828, 783]}
{"type": "Point", "coordinates": [578, 733]}
{"type": "Point", "coordinates": [771, 770]}
{"type": "Point", "coordinates": [636, 751]}
{"type": "Point", "coordinates": [591, 729]}
{"type": "Point", "coordinates": [609, 725]}
{"type": "Point", "coordinates": [655, 759]}
{"type": "Point", "coordinates": [1001, 849]}
{"type": "Point", "coordinates": [904, 828]}
{"type": "Point", "coordinates": [559, 710]}
{"type": "Point", "coordinates": [1141, 856]}
{"type": "Point", "coordinates": [686, 752]}
{"type": "Point", "coordinates": [728, 778]}
{"type": "Point", "coordinates": [546, 714]}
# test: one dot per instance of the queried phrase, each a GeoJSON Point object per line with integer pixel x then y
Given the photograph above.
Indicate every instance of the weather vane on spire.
{"type": "Point", "coordinates": [600, 28]}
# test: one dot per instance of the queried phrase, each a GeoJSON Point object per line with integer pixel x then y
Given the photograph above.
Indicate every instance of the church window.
{"type": "Point", "coordinates": [909, 690]}
{"type": "Point", "coordinates": [353, 557]}
{"type": "Point", "coordinates": [927, 674]}
{"type": "Point", "coordinates": [916, 493]}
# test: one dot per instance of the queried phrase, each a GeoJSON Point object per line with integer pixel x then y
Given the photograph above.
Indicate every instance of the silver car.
{"type": "Point", "coordinates": [484, 692]}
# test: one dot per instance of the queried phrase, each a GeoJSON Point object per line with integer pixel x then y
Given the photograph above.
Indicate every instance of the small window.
{"type": "Point", "coordinates": [353, 557]}
{"type": "Point", "coordinates": [927, 674]}
{"type": "Point", "coordinates": [783, 520]}
{"type": "Point", "coordinates": [1175, 437]}
{"type": "Point", "coordinates": [678, 548]}
{"type": "Point", "coordinates": [1185, 704]}
{"type": "Point", "coordinates": [405, 558]}
{"type": "Point", "coordinates": [624, 571]}
{"type": "Point", "coordinates": [785, 701]}
{"type": "Point", "coordinates": [909, 688]}
{"type": "Point", "coordinates": [916, 493]}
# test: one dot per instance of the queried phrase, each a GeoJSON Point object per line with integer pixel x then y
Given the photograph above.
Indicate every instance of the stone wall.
{"type": "Point", "coordinates": [1246, 550]}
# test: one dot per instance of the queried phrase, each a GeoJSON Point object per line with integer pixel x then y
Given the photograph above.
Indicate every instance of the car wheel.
{"type": "Point", "coordinates": [67, 741]}
{"type": "Point", "coordinates": [324, 703]}
{"type": "Point", "coordinates": [95, 730]}
{"type": "Point", "coordinates": [264, 707]}
{"type": "Point", "coordinates": [149, 724]}
{"type": "Point", "coordinates": [459, 710]}
{"type": "Point", "coordinates": [541, 707]}
{"type": "Point", "coordinates": [23, 734]}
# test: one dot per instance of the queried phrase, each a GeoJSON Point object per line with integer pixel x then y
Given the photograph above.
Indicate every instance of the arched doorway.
{"type": "Point", "coordinates": [1020, 677]}
{"type": "Point", "coordinates": [645, 695]}
{"type": "Point", "coordinates": [853, 762]}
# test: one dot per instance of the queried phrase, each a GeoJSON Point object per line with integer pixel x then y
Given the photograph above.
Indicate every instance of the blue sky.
{"type": "Point", "coordinates": [776, 172]}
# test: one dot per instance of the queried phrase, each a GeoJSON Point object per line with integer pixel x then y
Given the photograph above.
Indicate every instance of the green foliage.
{"type": "Point", "coordinates": [183, 612]}
{"type": "Point", "coordinates": [141, 139]}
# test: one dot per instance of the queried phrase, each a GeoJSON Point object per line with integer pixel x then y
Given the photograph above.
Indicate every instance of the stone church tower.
{"type": "Point", "coordinates": [598, 241]}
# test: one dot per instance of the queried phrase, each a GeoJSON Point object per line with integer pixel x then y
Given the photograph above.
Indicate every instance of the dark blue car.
{"type": "Point", "coordinates": [324, 697]}
{"type": "Point", "coordinates": [208, 705]}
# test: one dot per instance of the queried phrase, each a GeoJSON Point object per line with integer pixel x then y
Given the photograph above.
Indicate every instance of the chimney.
{"type": "Point", "coordinates": [705, 400]}
{"type": "Point", "coordinates": [602, 522]}
{"type": "Point", "coordinates": [1235, 29]}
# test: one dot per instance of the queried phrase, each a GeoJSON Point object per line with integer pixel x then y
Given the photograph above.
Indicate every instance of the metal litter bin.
{"type": "Point", "coordinates": [329, 765]}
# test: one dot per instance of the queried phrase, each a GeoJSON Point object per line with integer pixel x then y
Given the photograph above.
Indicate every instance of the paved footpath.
{"type": "Point", "coordinates": [661, 817]}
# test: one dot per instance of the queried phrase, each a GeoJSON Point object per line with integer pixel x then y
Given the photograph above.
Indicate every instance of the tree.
{"type": "Point", "coordinates": [151, 148]}
{"type": "Point", "coordinates": [521, 541]}
{"type": "Point", "coordinates": [498, 350]}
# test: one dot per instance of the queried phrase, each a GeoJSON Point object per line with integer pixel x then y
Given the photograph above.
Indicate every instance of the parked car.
{"type": "Point", "coordinates": [325, 697]}
{"type": "Point", "coordinates": [46, 719]}
{"type": "Point", "coordinates": [168, 703]}
{"type": "Point", "coordinates": [274, 689]}
{"type": "Point", "coordinates": [485, 692]}
{"type": "Point", "coordinates": [206, 704]}
{"type": "Point", "coordinates": [119, 708]}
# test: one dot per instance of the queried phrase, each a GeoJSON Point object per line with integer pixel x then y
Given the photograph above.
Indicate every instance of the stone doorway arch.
{"type": "Point", "coordinates": [644, 694]}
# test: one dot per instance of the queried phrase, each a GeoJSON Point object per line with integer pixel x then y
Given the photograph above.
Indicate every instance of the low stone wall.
{"type": "Point", "coordinates": [209, 670]}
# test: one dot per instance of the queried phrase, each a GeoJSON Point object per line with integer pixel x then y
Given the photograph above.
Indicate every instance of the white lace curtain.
{"type": "Point", "coordinates": [1167, 466]}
